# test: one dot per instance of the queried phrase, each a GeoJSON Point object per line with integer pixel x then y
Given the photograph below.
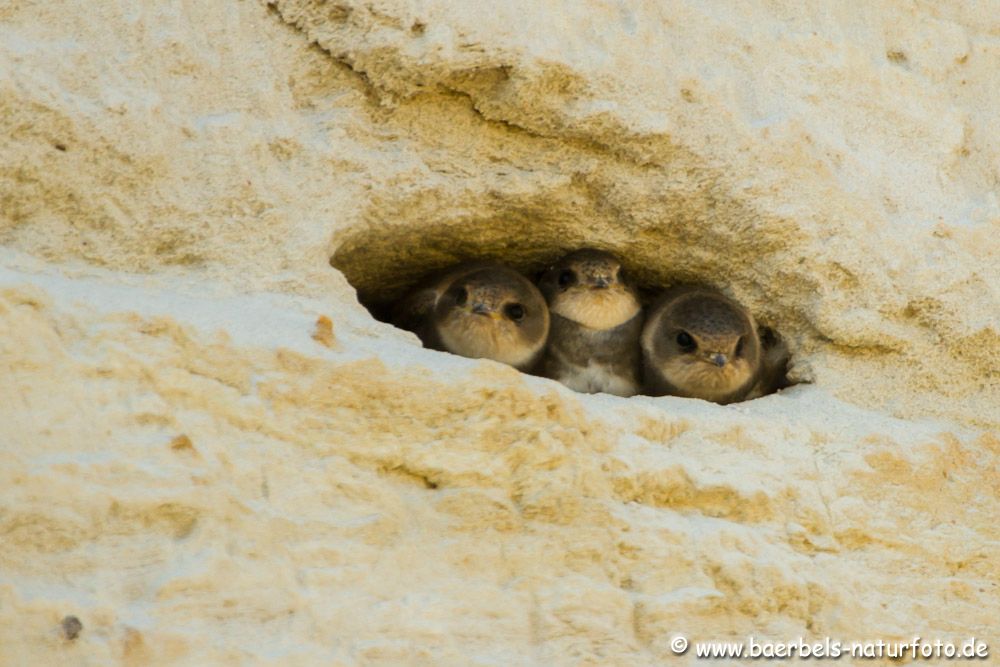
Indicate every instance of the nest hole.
{"type": "Point", "coordinates": [385, 262]}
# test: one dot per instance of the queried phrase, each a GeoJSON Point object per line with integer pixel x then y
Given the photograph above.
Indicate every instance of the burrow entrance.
{"type": "Point", "coordinates": [385, 261]}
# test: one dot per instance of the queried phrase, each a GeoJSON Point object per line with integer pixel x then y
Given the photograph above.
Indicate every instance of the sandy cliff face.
{"type": "Point", "coordinates": [211, 452]}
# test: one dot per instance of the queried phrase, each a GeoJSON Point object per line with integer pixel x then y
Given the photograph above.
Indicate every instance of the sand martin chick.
{"type": "Point", "coordinates": [701, 344]}
{"type": "Point", "coordinates": [478, 310]}
{"type": "Point", "coordinates": [775, 358]}
{"type": "Point", "coordinates": [596, 322]}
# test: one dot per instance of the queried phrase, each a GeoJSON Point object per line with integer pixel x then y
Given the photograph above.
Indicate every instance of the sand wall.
{"type": "Point", "coordinates": [211, 452]}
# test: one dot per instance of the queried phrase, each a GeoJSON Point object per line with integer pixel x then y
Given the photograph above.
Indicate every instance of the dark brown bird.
{"type": "Point", "coordinates": [478, 310]}
{"type": "Point", "coordinates": [596, 321]}
{"type": "Point", "coordinates": [699, 343]}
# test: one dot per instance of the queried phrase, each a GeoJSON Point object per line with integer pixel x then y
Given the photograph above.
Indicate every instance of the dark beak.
{"type": "Point", "coordinates": [480, 309]}
{"type": "Point", "coordinates": [601, 283]}
{"type": "Point", "coordinates": [719, 360]}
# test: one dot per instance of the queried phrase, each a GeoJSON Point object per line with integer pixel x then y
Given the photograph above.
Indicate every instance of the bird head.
{"type": "Point", "coordinates": [589, 287]}
{"type": "Point", "coordinates": [493, 313]}
{"type": "Point", "coordinates": [706, 345]}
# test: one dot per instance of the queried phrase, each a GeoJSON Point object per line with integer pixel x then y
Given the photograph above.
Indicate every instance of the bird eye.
{"type": "Point", "coordinates": [514, 311]}
{"type": "Point", "coordinates": [461, 296]}
{"type": "Point", "coordinates": [685, 341]}
{"type": "Point", "coordinates": [739, 347]}
{"type": "Point", "coordinates": [566, 278]}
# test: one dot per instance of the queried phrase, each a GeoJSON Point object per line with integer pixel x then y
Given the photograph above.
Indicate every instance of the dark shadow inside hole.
{"type": "Point", "coordinates": [385, 263]}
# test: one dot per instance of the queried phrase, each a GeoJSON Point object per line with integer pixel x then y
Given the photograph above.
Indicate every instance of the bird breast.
{"type": "Point", "coordinates": [596, 377]}
{"type": "Point", "coordinates": [596, 308]}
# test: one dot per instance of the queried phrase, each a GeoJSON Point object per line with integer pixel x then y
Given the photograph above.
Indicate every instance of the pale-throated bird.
{"type": "Point", "coordinates": [596, 321]}
{"type": "Point", "coordinates": [699, 343]}
{"type": "Point", "coordinates": [478, 310]}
